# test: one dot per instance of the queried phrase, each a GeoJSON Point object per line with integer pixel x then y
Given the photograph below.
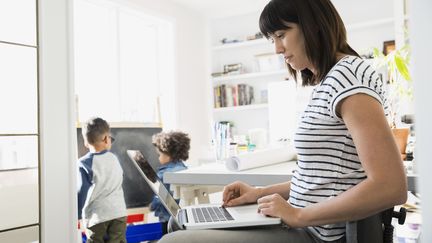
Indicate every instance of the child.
{"type": "Point", "coordinates": [101, 203]}
{"type": "Point", "coordinates": [173, 149]}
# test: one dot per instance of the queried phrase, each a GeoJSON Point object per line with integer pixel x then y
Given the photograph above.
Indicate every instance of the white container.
{"type": "Point", "coordinates": [269, 62]}
{"type": "Point", "coordinates": [258, 136]}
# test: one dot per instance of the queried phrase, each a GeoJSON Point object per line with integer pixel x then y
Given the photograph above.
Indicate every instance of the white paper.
{"type": "Point", "coordinates": [260, 158]}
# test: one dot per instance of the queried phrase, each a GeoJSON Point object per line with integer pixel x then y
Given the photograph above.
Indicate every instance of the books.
{"type": "Point", "coordinates": [233, 95]}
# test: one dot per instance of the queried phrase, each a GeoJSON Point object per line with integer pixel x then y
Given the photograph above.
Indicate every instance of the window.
{"type": "Point", "coordinates": [122, 59]}
{"type": "Point", "coordinates": [19, 132]}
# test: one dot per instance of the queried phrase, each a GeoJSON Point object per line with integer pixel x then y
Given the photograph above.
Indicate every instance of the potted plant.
{"type": "Point", "coordinates": [400, 88]}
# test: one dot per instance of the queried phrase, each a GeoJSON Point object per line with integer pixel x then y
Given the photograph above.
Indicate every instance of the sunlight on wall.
{"type": "Point", "coordinates": [121, 64]}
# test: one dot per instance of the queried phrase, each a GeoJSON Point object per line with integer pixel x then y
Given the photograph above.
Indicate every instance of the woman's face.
{"type": "Point", "coordinates": [290, 43]}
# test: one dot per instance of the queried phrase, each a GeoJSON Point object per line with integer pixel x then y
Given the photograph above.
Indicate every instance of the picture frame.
{"type": "Point", "coordinates": [388, 46]}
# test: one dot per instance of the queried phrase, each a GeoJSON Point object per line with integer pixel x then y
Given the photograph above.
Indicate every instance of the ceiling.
{"type": "Point", "coordinates": [222, 8]}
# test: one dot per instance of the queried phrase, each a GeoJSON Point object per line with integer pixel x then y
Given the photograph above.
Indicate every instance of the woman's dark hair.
{"type": "Point", "coordinates": [174, 144]}
{"type": "Point", "coordinates": [322, 27]}
{"type": "Point", "coordinates": [94, 130]}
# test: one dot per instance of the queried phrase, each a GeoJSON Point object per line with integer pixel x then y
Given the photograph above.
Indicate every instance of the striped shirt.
{"type": "Point", "coordinates": [328, 163]}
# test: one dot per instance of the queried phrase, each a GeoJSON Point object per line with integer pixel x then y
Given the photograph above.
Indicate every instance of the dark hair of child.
{"type": "Point", "coordinates": [94, 129]}
{"type": "Point", "coordinates": [174, 144]}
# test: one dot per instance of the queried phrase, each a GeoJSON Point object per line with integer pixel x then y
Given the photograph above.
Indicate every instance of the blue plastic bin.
{"type": "Point", "coordinates": [141, 232]}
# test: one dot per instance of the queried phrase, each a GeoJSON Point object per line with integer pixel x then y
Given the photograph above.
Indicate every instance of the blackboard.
{"type": "Point", "coordinates": [137, 192]}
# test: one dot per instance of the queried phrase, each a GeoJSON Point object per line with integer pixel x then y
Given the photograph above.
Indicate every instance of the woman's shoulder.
{"type": "Point", "coordinates": [348, 71]}
{"type": "Point", "coordinates": [354, 66]}
{"type": "Point", "coordinates": [347, 64]}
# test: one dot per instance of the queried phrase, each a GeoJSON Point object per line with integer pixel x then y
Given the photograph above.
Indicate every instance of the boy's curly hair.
{"type": "Point", "coordinates": [174, 144]}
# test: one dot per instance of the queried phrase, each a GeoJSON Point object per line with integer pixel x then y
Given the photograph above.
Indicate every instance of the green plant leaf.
{"type": "Point", "coordinates": [402, 66]}
{"type": "Point", "coordinates": [379, 59]}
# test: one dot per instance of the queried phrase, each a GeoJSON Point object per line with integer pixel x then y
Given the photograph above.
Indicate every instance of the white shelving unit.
{"type": "Point", "coordinates": [256, 42]}
{"type": "Point", "coordinates": [255, 115]}
{"type": "Point", "coordinates": [366, 28]}
{"type": "Point", "coordinates": [251, 75]}
{"type": "Point", "coordinates": [241, 108]}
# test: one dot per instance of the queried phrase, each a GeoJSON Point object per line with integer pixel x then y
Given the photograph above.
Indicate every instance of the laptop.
{"type": "Point", "coordinates": [209, 216]}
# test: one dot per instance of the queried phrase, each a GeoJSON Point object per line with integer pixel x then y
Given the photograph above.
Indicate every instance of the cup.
{"type": "Point", "coordinates": [258, 136]}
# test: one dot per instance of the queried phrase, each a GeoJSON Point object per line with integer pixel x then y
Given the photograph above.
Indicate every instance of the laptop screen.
{"type": "Point", "coordinates": [153, 181]}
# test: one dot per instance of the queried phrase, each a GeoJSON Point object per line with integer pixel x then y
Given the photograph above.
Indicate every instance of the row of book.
{"type": "Point", "coordinates": [233, 95]}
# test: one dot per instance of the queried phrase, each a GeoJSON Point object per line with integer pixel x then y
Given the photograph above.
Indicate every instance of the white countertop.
{"type": "Point", "coordinates": [217, 174]}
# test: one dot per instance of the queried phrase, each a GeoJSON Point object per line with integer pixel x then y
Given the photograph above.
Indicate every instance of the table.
{"type": "Point", "coordinates": [217, 174]}
{"type": "Point", "coordinates": [189, 183]}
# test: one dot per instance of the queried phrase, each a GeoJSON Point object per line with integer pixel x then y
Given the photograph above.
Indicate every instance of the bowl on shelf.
{"type": "Point", "coordinates": [269, 62]}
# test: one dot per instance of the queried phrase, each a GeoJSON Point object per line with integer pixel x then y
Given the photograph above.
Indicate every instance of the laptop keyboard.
{"type": "Point", "coordinates": [211, 214]}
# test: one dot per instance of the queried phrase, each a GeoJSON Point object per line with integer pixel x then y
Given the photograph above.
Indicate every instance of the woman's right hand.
{"type": "Point", "coordinates": [239, 193]}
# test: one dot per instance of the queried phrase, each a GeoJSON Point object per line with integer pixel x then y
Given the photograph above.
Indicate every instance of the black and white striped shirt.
{"type": "Point", "coordinates": [328, 163]}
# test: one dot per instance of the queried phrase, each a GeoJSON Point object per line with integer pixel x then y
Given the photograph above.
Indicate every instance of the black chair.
{"type": "Point", "coordinates": [388, 228]}
{"type": "Point", "coordinates": [376, 228]}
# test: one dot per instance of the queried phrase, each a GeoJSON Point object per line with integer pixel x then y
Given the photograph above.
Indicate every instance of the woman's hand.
{"type": "Point", "coordinates": [276, 206]}
{"type": "Point", "coordinates": [239, 193]}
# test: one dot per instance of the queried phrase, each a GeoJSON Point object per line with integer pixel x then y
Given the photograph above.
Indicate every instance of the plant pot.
{"type": "Point", "coordinates": [401, 138]}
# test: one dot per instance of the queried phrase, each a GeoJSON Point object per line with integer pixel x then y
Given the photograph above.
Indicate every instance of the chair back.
{"type": "Point", "coordinates": [376, 228]}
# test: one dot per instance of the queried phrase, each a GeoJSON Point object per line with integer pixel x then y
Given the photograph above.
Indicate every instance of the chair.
{"type": "Point", "coordinates": [376, 228]}
{"type": "Point", "coordinates": [388, 228]}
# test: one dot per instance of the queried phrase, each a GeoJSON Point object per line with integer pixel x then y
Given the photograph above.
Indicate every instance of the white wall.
{"type": "Point", "coordinates": [57, 127]}
{"type": "Point", "coordinates": [191, 71]}
{"type": "Point", "coordinates": [192, 90]}
{"type": "Point", "coordinates": [420, 37]}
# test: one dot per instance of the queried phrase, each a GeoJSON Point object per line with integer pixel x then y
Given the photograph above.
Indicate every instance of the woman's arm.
{"type": "Point", "coordinates": [384, 187]}
{"type": "Point", "coordinates": [282, 189]}
{"type": "Point", "coordinates": [238, 193]}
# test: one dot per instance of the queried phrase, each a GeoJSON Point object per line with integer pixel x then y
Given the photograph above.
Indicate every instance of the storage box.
{"type": "Point", "coordinates": [269, 62]}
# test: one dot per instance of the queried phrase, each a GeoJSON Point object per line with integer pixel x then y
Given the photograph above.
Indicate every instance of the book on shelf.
{"type": "Point", "coordinates": [233, 95]}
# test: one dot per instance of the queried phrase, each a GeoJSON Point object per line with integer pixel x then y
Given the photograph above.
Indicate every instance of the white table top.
{"type": "Point", "coordinates": [218, 174]}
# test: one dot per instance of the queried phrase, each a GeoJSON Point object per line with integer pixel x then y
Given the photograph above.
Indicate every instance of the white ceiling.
{"type": "Point", "coordinates": [225, 8]}
{"type": "Point", "coordinates": [222, 8]}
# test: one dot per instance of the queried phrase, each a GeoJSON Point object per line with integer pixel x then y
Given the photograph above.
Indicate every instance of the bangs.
{"type": "Point", "coordinates": [274, 18]}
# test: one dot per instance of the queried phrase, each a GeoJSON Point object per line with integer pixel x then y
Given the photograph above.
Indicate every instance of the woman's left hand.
{"type": "Point", "coordinates": [276, 206]}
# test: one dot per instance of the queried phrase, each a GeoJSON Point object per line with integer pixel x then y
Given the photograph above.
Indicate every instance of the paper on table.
{"type": "Point", "coordinates": [259, 158]}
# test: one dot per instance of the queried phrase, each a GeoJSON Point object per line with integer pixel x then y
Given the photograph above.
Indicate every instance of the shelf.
{"type": "Point", "coordinates": [371, 23]}
{"type": "Point", "coordinates": [264, 41]}
{"type": "Point", "coordinates": [249, 75]}
{"type": "Point", "coordinates": [241, 108]}
{"type": "Point", "coordinates": [256, 42]}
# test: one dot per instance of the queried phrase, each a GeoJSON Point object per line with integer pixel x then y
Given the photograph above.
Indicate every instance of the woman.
{"type": "Point", "coordinates": [346, 151]}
